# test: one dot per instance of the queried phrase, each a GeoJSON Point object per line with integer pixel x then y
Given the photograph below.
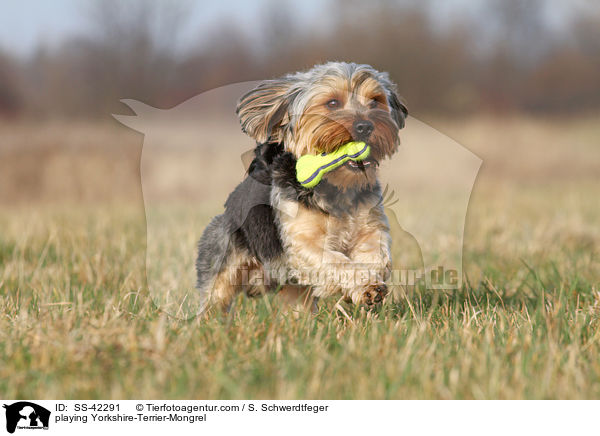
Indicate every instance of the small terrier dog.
{"type": "Point", "coordinates": [317, 240]}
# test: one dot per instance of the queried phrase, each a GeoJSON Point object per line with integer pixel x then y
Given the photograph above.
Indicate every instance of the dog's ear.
{"type": "Point", "coordinates": [399, 110]}
{"type": "Point", "coordinates": [263, 112]}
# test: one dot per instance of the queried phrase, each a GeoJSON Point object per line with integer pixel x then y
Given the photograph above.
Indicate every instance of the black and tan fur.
{"type": "Point", "coordinates": [272, 226]}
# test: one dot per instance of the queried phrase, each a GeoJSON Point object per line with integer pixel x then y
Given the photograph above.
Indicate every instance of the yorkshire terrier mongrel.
{"type": "Point", "coordinates": [312, 241]}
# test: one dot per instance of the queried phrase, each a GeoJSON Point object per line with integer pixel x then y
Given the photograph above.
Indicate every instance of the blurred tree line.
{"type": "Point", "coordinates": [505, 58]}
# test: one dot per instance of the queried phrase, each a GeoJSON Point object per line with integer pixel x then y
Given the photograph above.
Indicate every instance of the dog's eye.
{"type": "Point", "coordinates": [333, 103]}
{"type": "Point", "coordinates": [373, 104]}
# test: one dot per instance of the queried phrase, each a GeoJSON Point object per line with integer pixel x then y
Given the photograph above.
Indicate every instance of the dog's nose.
{"type": "Point", "coordinates": [362, 128]}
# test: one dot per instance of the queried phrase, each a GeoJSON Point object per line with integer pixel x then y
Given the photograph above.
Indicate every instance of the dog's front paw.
{"type": "Point", "coordinates": [373, 294]}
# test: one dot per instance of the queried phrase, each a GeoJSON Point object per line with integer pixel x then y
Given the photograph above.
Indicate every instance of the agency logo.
{"type": "Point", "coordinates": [26, 415]}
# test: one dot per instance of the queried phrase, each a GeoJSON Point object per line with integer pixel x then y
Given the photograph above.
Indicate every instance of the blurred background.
{"type": "Point", "coordinates": [77, 58]}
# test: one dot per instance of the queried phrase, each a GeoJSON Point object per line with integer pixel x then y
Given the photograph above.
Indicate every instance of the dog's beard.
{"type": "Point", "coordinates": [346, 177]}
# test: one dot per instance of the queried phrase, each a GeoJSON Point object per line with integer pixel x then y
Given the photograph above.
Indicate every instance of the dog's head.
{"type": "Point", "coordinates": [324, 108]}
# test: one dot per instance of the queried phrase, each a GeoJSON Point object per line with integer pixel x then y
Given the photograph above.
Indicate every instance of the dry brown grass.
{"type": "Point", "coordinates": [77, 320]}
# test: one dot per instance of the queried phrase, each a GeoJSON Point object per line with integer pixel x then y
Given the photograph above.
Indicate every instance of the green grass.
{"type": "Point", "coordinates": [77, 320]}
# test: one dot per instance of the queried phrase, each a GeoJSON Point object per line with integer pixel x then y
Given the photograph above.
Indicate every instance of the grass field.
{"type": "Point", "coordinates": [77, 320]}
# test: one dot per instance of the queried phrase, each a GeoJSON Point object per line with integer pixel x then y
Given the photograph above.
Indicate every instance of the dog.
{"type": "Point", "coordinates": [315, 239]}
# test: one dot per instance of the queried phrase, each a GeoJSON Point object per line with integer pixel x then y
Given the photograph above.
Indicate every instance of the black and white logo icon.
{"type": "Point", "coordinates": [26, 415]}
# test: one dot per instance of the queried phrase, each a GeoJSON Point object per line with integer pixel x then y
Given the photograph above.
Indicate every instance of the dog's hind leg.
{"type": "Point", "coordinates": [223, 265]}
{"type": "Point", "coordinates": [235, 277]}
{"type": "Point", "coordinates": [213, 264]}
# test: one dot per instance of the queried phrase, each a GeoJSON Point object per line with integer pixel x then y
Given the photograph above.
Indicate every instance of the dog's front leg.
{"type": "Point", "coordinates": [371, 257]}
{"type": "Point", "coordinates": [314, 264]}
